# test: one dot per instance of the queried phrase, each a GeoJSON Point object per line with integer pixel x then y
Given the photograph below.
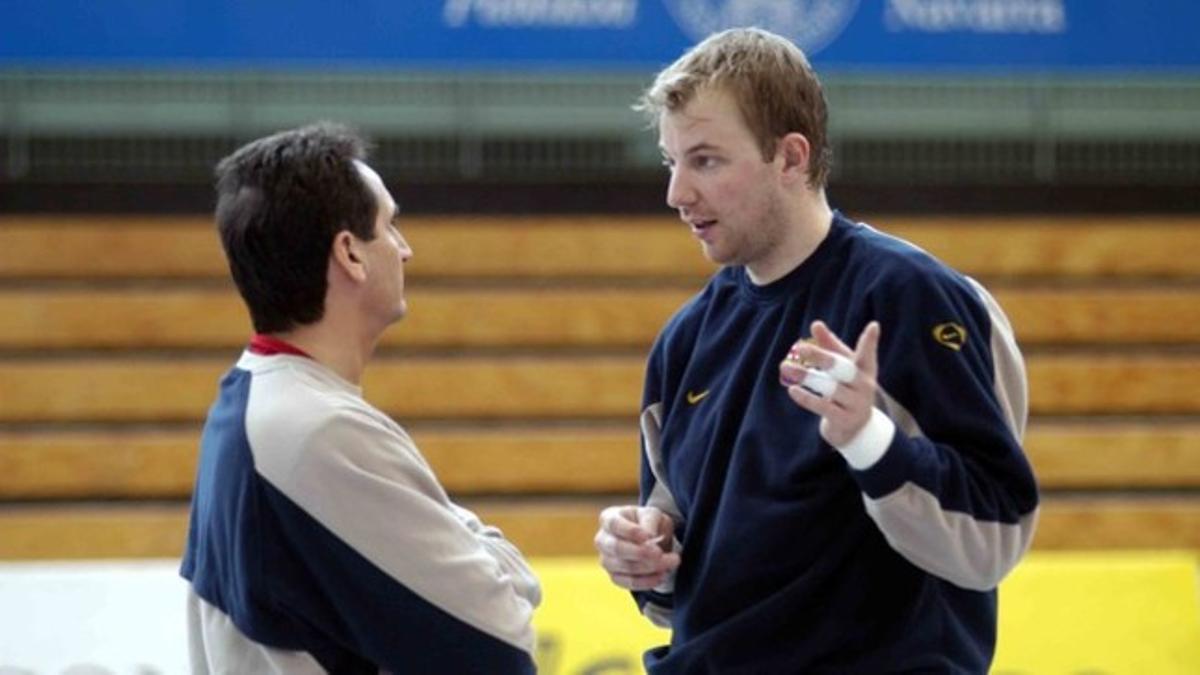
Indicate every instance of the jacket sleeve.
{"type": "Point", "coordinates": [657, 604]}
{"type": "Point", "coordinates": [404, 577]}
{"type": "Point", "coordinates": [949, 485]}
{"type": "Point", "coordinates": [505, 554]}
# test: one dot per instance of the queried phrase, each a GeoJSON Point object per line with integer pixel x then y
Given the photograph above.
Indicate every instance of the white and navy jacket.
{"type": "Point", "coordinates": [793, 559]}
{"type": "Point", "coordinates": [320, 540]}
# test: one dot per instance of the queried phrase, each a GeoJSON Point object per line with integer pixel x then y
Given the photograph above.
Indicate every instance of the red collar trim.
{"type": "Point", "coordinates": [265, 345]}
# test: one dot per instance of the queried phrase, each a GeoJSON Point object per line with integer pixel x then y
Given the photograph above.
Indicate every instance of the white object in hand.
{"type": "Point", "coordinates": [820, 383]}
{"type": "Point", "coordinates": [843, 369]}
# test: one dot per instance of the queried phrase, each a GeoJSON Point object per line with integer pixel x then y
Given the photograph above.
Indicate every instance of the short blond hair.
{"type": "Point", "coordinates": [776, 90]}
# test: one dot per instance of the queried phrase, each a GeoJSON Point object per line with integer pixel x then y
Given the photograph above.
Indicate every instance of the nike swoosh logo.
{"type": "Point", "coordinates": [693, 399]}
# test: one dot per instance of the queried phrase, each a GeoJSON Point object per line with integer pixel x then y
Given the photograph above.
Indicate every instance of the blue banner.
{"type": "Point", "coordinates": [869, 35]}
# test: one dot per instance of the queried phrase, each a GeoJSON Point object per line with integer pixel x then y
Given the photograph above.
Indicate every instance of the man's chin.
{"type": "Point", "coordinates": [401, 312]}
{"type": "Point", "coordinates": [715, 255]}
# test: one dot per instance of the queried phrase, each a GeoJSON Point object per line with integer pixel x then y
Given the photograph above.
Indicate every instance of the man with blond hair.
{"type": "Point", "coordinates": [807, 505]}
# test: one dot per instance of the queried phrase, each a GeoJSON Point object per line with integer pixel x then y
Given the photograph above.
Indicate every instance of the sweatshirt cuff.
{"type": "Point", "coordinates": [869, 444]}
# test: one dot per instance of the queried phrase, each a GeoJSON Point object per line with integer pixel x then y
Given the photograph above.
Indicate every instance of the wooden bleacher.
{"type": "Point", "coordinates": [519, 368]}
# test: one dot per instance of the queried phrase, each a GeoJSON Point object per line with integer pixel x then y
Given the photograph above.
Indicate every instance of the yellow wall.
{"type": "Point", "coordinates": [1060, 614]}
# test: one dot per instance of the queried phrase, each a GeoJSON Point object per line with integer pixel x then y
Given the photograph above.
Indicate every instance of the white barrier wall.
{"type": "Point", "coordinates": [1060, 614]}
{"type": "Point", "coordinates": [120, 617]}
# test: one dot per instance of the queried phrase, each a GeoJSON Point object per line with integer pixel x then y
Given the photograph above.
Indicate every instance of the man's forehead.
{"type": "Point", "coordinates": [708, 116]}
{"type": "Point", "coordinates": [687, 135]}
{"type": "Point", "coordinates": [367, 172]}
{"type": "Point", "coordinates": [383, 199]}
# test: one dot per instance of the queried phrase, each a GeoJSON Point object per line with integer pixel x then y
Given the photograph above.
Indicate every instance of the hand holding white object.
{"type": "Point", "coordinates": [636, 546]}
{"type": "Point", "coordinates": [828, 378]}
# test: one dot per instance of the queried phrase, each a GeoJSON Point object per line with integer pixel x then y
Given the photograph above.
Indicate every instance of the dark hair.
{"type": "Point", "coordinates": [775, 88]}
{"type": "Point", "coordinates": [281, 200]}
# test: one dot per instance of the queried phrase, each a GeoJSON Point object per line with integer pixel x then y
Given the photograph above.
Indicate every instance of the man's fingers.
{"type": "Point", "coordinates": [828, 379]}
{"type": "Point", "coordinates": [866, 351]}
{"type": "Point", "coordinates": [826, 339]}
{"type": "Point", "coordinates": [818, 405]}
{"type": "Point", "coordinates": [625, 549]}
{"type": "Point", "coordinates": [658, 524]}
{"type": "Point", "coordinates": [829, 354]}
{"type": "Point", "coordinates": [639, 578]}
{"type": "Point", "coordinates": [841, 369]}
{"type": "Point", "coordinates": [628, 512]}
{"type": "Point", "coordinates": [622, 523]}
{"type": "Point", "coordinates": [812, 356]}
{"type": "Point", "coordinates": [820, 383]}
{"type": "Point", "coordinates": [823, 383]}
{"type": "Point", "coordinates": [791, 372]}
{"type": "Point", "coordinates": [657, 565]}
{"type": "Point", "coordinates": [633, 533]}
{"type": "Point", "coordinates": [637, 583]}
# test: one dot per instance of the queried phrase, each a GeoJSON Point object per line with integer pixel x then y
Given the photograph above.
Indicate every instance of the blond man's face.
{"type": "Point", "coordinates": [720, 185]}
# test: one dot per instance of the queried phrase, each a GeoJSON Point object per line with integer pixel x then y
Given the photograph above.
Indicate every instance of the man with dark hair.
{"type": "Point", "coordinates": [858, 518]}
{"type": "Point", "coordinates": [320, 539]}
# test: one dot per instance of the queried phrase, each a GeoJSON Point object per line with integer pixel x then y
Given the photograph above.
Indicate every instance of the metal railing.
{"type": "Point", "coordinates": [135, 126]}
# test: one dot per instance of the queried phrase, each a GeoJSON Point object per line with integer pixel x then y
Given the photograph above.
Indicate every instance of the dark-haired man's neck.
{"type": "Point", "coordinates": [335, 344]}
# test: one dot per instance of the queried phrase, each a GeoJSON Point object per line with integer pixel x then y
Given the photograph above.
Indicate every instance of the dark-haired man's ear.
{"type": "Point", "coordinates": [347, 256]}
{"type": "Point", "coordinates": [796, 152]}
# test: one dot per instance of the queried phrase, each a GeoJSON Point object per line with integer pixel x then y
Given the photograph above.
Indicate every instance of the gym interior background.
{"type": "Point", "coordinates": [1050, 148]}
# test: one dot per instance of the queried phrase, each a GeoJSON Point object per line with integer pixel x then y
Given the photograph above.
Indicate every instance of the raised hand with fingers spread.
{"type": "Point", "coordinates": [848, 407]}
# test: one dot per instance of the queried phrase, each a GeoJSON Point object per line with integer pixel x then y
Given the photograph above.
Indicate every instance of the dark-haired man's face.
{"type": "Point", "coordinates": [386, 254]}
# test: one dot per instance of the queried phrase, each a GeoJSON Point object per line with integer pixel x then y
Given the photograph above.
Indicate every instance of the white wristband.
{"type": "Point", "coordinates": [869, 444]}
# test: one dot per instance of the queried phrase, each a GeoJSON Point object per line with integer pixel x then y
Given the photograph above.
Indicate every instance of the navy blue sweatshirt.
{"type": "Point", "coordinates": [792, 560]}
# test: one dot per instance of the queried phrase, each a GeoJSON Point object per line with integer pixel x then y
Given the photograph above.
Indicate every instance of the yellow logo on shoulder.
{"type": "Point", "coordinates": [950, 335]}
{"type": "Point", "coordinates": [693, 399]}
